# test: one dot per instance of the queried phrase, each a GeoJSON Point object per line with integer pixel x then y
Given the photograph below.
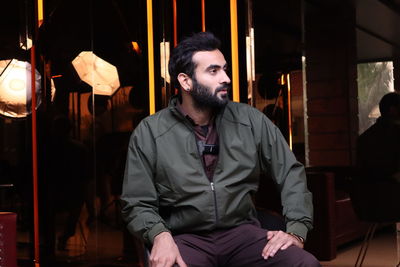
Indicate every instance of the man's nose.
{"type": "Point", "coordinates": [225, 78]}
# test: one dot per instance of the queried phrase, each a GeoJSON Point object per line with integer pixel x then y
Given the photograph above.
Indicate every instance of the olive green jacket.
{"type": "Point", "coordinates": [165, 187]}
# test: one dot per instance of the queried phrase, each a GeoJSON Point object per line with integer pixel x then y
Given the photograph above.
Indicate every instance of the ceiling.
{"type": "Point", "coordinates": [377, 29]}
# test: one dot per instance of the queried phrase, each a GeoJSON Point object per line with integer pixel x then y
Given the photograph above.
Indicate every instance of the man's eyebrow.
{"type": "Point", "coordinates": [216, 66]}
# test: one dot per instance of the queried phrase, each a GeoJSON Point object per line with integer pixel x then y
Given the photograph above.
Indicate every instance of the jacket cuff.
{"type": "Point", "coordinates": [297, 228]}
{"type": "Point", "coordinates": [155, 230]}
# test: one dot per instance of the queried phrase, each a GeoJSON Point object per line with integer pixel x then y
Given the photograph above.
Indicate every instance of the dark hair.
{"type": "Point", "coordinates": [389, 100]}
{"type": "Point", "coordinates": [182, 55]}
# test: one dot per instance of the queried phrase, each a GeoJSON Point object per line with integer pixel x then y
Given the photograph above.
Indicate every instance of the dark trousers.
{"type": "Point", "coordinates": [237, 247]}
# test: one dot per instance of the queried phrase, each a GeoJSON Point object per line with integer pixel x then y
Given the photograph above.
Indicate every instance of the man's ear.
{"type": "Point", "coordinates": [185, 81]}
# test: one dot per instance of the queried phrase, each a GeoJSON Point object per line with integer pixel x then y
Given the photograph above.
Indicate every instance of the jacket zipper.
{"type": "Point", "coordinates": [217, 125]}
{"type": "Point", "coordinates": [215, 203]}
{"type": "Point", "coordinates": [212, 183]}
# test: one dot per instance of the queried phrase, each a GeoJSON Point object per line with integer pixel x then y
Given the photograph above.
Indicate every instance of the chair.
{"type": "Point", "coordinates": [375, 203]}
{"type": "Point", "coordinates": [335, 222]}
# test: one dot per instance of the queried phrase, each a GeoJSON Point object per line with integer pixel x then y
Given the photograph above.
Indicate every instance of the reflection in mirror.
{"type": "Point", "coordinates": [278, 90]}
{"type": "Point", "coordinates": [21, 78]}
{"type": "Point", "coordinates": [166, 27]}
{"type": "Point", "coordinates": [85, 119]}
{"type": "Point", "coordinates": [164, 59]}
{"type": "Point", "coordinates": [250, 54]}
{"type": "Point", "coordinates": [15, 88]}
{"type": "Point", "coordinates": [100, 65]}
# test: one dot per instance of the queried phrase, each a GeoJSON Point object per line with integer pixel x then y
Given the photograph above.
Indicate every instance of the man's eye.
{"type": "Point", "coordinates": [212, 71]}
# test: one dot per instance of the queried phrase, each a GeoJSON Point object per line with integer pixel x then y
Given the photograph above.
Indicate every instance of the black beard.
{"type": "Point", "coordinates": [204, 99]}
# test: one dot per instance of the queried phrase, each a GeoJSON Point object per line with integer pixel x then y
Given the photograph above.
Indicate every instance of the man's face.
{"type": "Point", "coordinates": [210, 83]}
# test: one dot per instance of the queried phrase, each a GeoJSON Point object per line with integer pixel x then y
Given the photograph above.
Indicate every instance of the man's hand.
{"type": "Point", "coordinates": [165, 252]}
{"type": "Point", "coordinates": [278, 240]}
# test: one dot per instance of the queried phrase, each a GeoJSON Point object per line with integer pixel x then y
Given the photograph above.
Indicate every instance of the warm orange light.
{"type": "Point", "coordinates": [27, 44]}
{"type": "Point", "coordinates": [282, 80]}
{"type": "Point", "coordinates": [35, 174]}
{"type": "Point", "coordinates": [175, 14]}
{"type": "Point", "coordinates": [15, 88]}
{"type": "Point", "coordinates": [150, 45]}
{"type": "Point", "coordinates": [40, 12]}
{"type": "Point", "coordinates": [136, 48]}
{"type": "Point", "coordinates": [203, 15]}
{"type": "Point", "coordinates": [98, 73]}
{"type": "Point", "coordinates": [235, 53]}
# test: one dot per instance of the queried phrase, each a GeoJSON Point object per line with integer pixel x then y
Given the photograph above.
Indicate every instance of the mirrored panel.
{"type": "Point", "coordinates": [275, 49]}
{"type": "Point", "coordinates": [92, 81]}
{"type": "Point", "coordinates": [91, 88]}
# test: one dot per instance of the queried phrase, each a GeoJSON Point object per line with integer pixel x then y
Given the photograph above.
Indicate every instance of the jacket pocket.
{"type": "Point", "coordinates": [167, 196]}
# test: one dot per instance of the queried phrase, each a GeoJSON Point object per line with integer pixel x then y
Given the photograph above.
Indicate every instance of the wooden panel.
{"type": "Point", "coordinates": [331, 106]}
{"type": "Point", "coordinates": [328, 124]}
{"type": "Point", "coordinates": [331, 81]}
{"type": "Point", "coordinates": [347, 227]}
{"type": "Point", "coordinates": [322, 71]}
{"type": "Point", "coordinates": [330, 158]}
{"type": "Point", "coordinates": [330, 142]}
{"type": "Point", "coordinates": [325, 88]}
{"type": "Point", "coordinates": [321, 240]}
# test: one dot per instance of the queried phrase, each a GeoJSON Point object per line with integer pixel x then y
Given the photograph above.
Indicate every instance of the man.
{"type": "Point", "coordinates": [378, 148]}
{"type": "Point", "coordinates": [193, 167]}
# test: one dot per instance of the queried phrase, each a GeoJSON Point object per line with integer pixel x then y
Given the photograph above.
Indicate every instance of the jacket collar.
{"type": "Point", "coordinates": [173, 107]}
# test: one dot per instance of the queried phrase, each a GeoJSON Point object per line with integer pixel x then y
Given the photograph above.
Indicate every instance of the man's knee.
{"type": "Point", "coordinates": [309, 261]}
{"type": "Point", "coordinates": [300, 258]}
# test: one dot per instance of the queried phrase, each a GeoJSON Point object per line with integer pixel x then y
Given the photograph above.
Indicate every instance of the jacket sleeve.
{"type": "Point", "coordinates": [139, 196]}
{"type": "Point", "coordinates": [289, 175]}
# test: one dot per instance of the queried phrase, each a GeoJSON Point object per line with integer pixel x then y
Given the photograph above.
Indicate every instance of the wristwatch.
{"type": "Point", "coordinates": [298, 237]}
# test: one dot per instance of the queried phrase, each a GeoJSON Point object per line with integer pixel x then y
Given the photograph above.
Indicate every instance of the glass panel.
{"type": "Point", "coordinates": [164, 43]}
{"type": "Point", "coordinates": [108, 38]}
{"type": "Point", "coordinates": [250, 55]}
{"type": "Point", "coordinates": [374, 80]}
{"type": "Point", "coordinates": [175, 24]}
{"type": "Point", "coordinates": [16, 66]}
{"type": "Point", "coordinates": [85, 117]}
{"type": "Point", "coordinates": [84, 121]}
{"type": "Point", "coordinates": [278, 88]}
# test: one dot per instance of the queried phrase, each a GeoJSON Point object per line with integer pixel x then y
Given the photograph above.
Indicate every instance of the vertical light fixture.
{"type": "Point", "coordinates": [164, 59]}
{"type": "Point", "coordinates": [38, 10]}
{"type": "Point", "coordinates": [250, 69]}
{"type": "Point", "coordinates": [250, 61]}
{"type": "Point", "coordinates": [175, 18]}
{"type": "Point", "coordinates": [289, 99]}
{"type": "Point", "coordinates": [203, 15]}
{"type": "Point", "coordinates": [235, 56]}
{"type": "Point", "coordinates": [35, 161]}
{"type": "Point", "coordinates": [150, 48]}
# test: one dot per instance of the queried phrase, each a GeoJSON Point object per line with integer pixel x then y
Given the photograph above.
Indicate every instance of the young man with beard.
{"type": "Point", "coordinates": [193, 167]}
